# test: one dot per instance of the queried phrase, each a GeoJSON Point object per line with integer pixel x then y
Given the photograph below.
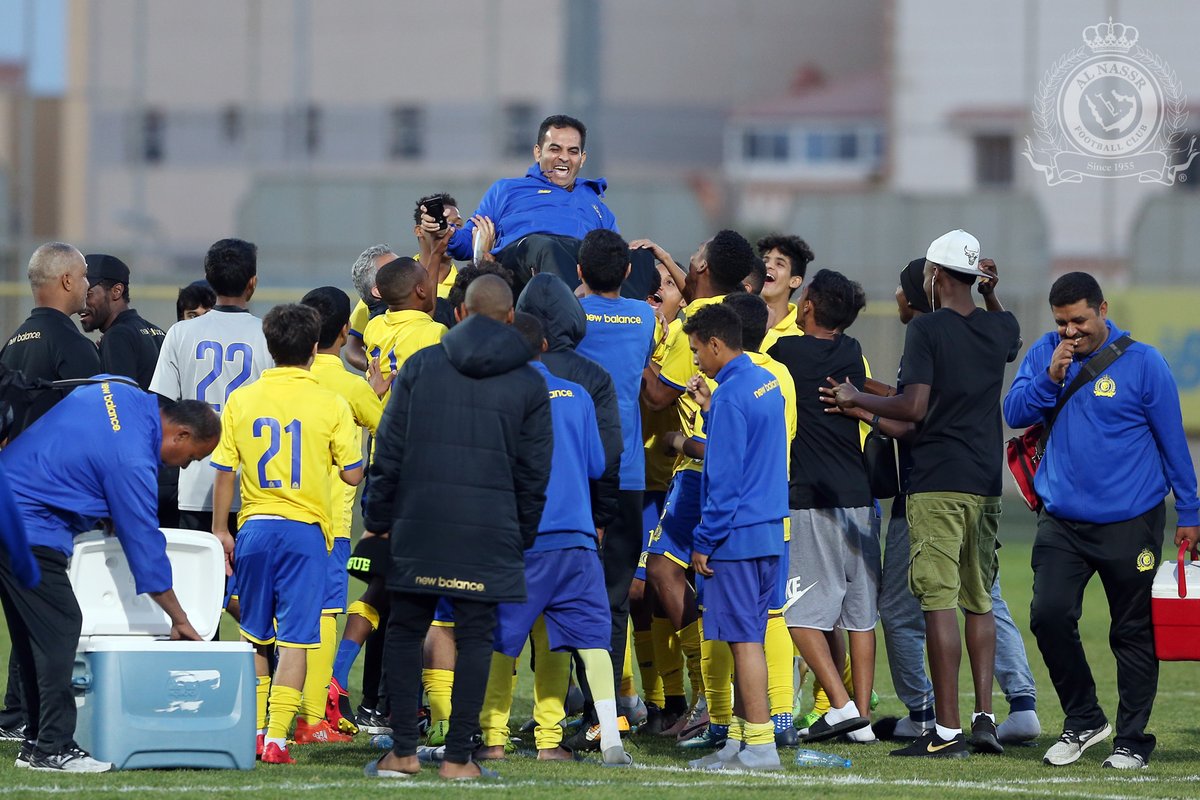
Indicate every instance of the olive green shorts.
{"type": "Point", "coordinates": [952, 561]}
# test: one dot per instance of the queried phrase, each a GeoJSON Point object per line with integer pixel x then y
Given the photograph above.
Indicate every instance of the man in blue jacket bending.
{"type": "Point", "coordinates": [94, 455]}
{"type": "Point", "coordinates": [541, 218]}
{"type": "Point", "coordinates": [1115, 449]}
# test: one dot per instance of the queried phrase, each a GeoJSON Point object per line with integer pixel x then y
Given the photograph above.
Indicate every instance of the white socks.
{"type": "Point", "coordinates": [946, 734]}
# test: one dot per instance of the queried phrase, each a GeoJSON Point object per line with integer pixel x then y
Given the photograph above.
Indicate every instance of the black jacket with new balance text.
{"type": "Point", "coordinates": [462, 458]}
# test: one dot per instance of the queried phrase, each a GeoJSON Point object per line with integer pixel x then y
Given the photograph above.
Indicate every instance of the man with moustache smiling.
{"type": "Point", "coordinates": [541, 218]}
{"type": "Point", "coordinates": [1116, 447]}
{"type": "Point", "coordinates": [130, 344]}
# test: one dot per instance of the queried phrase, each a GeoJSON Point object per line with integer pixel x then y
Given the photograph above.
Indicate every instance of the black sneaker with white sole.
{"type": "Point", "coordinates": [930, 745]}
{"type": "Point", "coordinates": [983, 736]}
{"type": "Point", "coordinates": [15, 733]}
{"type": "Point", "coordinates": [24, 754]}
{"type": "Point", "coordinates": [822, 729]}
{"type": "Point", "coordinates": [71, 758]}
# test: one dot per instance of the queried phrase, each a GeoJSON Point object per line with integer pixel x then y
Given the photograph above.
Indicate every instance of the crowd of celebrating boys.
{"type": "Point", "coordinates": [574, 444]}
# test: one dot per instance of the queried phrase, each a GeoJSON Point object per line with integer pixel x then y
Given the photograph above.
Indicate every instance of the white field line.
{"type": "Point", "coordinates": [807, 779]}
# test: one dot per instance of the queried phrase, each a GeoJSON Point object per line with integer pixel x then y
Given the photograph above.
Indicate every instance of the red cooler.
{"type": "Point", "coordinates": [1175, 609]}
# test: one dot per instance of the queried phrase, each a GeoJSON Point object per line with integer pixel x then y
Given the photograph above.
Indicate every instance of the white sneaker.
{"type": "Point", "coordinates": [1124, 758]}
{"type": "Point", "coordinates": [1071, 744]}
{"type": "Point", "coordinates": [71, 759]}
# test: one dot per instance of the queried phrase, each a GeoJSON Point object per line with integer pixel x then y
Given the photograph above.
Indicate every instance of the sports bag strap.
{"type": "Point", "coordinates": [1095, 365]}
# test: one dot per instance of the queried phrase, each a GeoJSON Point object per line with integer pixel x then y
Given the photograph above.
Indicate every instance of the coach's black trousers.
{"type": "Point", "coordinates": [44, 623]}
{"type": "Point", "coordinates": [408, 622]}
{"type": "Point", "coordinates": [619, 553]}
{"type": "Point", "coordinates": [1125, 554]}
{"type": "Point", "coordinates": [559, 255]}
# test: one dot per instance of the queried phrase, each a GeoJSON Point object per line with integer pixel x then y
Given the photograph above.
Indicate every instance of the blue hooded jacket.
{"type": "Point", "coordinates": [1117, 446]}
{"type": "Point", "coordinates": [532, 204]}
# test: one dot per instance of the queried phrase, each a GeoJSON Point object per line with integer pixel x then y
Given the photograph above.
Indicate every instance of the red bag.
{"type": "Point", "coordinates": [1024, 454]}
{"type": "Point", "coordinates": [1175, 609]}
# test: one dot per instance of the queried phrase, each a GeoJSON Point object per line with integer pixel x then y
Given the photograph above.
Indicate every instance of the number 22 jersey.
{"type": "Point", "coordinates": [206, 358]}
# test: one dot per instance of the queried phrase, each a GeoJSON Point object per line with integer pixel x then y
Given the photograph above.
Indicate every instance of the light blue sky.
{"type": "Point", "coordinates": [48, 74]}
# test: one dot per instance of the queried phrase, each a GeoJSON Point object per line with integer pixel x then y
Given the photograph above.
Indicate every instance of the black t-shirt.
{"type": "Point", "coordinates": [130, 347]}
{"type": "Point", "coordinates": [958, 447]}
{"type": "Point", "coordinates": [50, 347]}
{"type": "Point", "coordinates": [826, 459]}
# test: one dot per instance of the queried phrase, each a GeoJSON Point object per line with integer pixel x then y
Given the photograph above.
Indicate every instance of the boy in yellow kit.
{"type": "Point", "coordinates": [406, 327]}
{"type": "Point", "coordinates": [333, 307]}
{"type": "Point", "coordinates": [286, 432]}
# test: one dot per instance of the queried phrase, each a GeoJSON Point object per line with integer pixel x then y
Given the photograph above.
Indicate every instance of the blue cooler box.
{"type": "Point", "coordinates": [144, 701]}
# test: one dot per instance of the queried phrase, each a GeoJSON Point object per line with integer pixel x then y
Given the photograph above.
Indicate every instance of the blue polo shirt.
{"type": "Point", "coordinates": [94, 455]}
{"type": "Point", "coordinates": [620, 338]}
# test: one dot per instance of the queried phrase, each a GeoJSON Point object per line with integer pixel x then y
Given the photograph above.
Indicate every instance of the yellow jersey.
{"type": "Point", "coordinates": [366, 408]}
{"type": "Point", "coordinates": [361, 314]}
{"type": "Point", "coordinates": [678, 366]}
{"type": "Point", "coordinates": [787, 388]}
{"type": "Point", "coordinates": [395, 335]}
{"type": "Point", "coordinates": [787, 326]}
{"type": "Point", "coordinates": [660, 466]}
{"type": "Point", "coordinates": [285, 431]}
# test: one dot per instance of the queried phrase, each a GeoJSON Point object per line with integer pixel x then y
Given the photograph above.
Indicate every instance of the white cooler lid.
{"type": "Point", "coordinates": [1166, 580]}
{"type": "Point", "coordinates": [111, 606]}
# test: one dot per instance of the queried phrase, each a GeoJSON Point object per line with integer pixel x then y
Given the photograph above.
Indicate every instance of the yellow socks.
{"type": "Point", "coordinates": [689, 642]}
{"type": "Point", "coordinates": [627, 687]}
{"type": "Point", "coordinates": [652, 685]}
{"type": "Point", "coordinates": [758, 733]}
{"type": "Point", "coordinates": [598, 666]}
{"type": "Point", "coordinates": [847, 678]}
{"type": "Point", "coordinates": [737, 729]}
{"type": "Point", "coordinates": [551, 675]}
{"type": "Point", "coordinates": [369, 613]}
{"type": "Point", "coordinates": [284, 701]}
{"type": "Point", "coordinates": [319, 669]}
{"type": "Point", "coordinates": [497, 701]}
{"type": "Point", "coordinates": [261, 692]}
{"type": "Point", "coordinates": [439, 686]}
{"type": "Point", "coordinates": [717, 665]}
{"type": "Point", "coordinates": [778, 648]}
{"type": "Point", "coordinates": [668, 657]}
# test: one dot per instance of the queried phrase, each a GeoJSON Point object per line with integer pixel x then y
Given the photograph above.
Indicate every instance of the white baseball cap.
{"type": "Point", "coordinates": [956, 250]}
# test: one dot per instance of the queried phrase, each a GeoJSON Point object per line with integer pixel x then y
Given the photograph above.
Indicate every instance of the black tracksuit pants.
{"type": "Point", "coordinates": [408, 622]}
{"type": "Point", "coordinates": [44, 623]}
{"type": "Point", "coordinates": [1066, 555]}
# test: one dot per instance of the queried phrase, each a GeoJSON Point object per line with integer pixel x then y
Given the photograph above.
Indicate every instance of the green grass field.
{"type": "Point", "coordinates": [336, 770]}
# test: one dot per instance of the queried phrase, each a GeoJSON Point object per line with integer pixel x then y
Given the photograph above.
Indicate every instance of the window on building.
{"type": "Point", "coordinates": [520, 130]}
{"type": "Point", "coordinates": [232, 124]}
{"type": "Point", "coordinates": [765, 145]}
{"type": "Point", "coordinates": [153, 135]}
{"type": "Point", "coordinates": [406, 136]}
{"type": "Point", "coordinates": [312, 129]}
{"type": "Point", "coordinates": [993, 160]}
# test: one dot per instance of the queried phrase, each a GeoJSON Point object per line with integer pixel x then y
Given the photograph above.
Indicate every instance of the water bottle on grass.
{"type": "Point", "coordinates": [815, 758]}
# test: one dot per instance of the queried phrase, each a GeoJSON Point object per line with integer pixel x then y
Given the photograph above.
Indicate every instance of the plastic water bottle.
{"type": "Point", "coordinates": [382, 741]}
{"type": "Point", "coordinates": [815, 758]}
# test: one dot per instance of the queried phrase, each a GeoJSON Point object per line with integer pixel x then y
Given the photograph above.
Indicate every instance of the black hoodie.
{"type": "Point", "coordinates": [551, 301]}
{"type": "Point", "coordinates": [462, 458]}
